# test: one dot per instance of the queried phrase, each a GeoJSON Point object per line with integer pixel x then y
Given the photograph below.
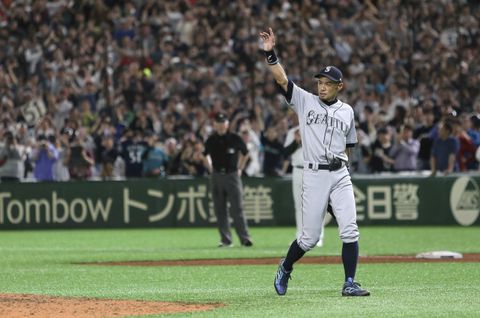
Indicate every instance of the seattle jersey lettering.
{"type": "Point", "coordinates": [323, 119]}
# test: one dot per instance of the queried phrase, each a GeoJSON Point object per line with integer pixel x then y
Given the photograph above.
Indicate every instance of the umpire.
{"type": "Point", "coordinates": [225, 158]}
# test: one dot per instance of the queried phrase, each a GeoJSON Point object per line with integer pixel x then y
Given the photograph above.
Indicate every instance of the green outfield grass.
{"type": "Point", "coordinates": [41, 262]}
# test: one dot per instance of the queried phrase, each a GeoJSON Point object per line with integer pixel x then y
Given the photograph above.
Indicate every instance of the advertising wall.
{"type": "Point", "coordinates": [451, 200]}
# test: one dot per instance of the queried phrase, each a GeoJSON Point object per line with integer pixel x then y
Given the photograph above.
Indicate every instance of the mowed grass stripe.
{"type": "Point", "coordinates": [398, 290]}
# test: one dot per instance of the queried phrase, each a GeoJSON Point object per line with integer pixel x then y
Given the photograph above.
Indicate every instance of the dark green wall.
{"type": "Point", "coordinates": [185, 202]}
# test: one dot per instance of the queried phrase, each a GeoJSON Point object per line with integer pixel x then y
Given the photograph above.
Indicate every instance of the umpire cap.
{"type": "Point", "coordinates": [221, 117]}
{"type": "Point", "coordinates": [332, 73]}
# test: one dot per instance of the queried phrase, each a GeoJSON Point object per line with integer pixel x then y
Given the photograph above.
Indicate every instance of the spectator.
{"type": "Point", "coordinates": [424, 134]}
{"type": "Point", "coordinates": [168, 128]}
{"type": "Point", "coordinates": [380, 161]}
{"type": "Point", "coordinates": [272, 153]}
{"type": "Point", "coordinates": [185, 154]}
{"type": "Point", "coordinates": [60, 169]}
{"type": "Point", "coordinates": [133, 148]}
{"type": "Point", "coordinates": [473, 130]}
{"type": "Point", "coordinates": [154, 159]}
{"type": "Point", "coordinates": [405, 151]}
{"type": "Point", "coordinates": [466, 152]}
{"type": "Point", "coordinates": [444, 151]}
{"type": "Point", "coordinates": [62, 108]}
{"type": "Point", "coordinates": [398, 119]}
{"type": "Point", "coordinates": [253, 167]}
{"type": "Point", "coordinates": [44, 157]}
{"type": "Point", "coordinates": [141, 122]}
{"type": "Point", "coordinates": [78, 159]}
{"type": "Point", "coordinates": [108, 157]}
{"type": "Point", "coordinates": [194, 163]}
{"type": "Point", "coordinates": [11, 159]}
{"type": "Point", "coordinates": [361, 154]}
{"type": "Point", "coordinates": [100, 131]}
{"type": "Point", "coordinates": [87, 117]}
{"type": "Point", "coordinates": [173, 154]}
{"type": "Point", "coordinates": [369, 123]}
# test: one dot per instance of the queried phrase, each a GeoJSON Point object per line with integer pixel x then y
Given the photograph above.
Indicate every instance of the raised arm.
{"type": "Point", "coordinates": [277, 70]}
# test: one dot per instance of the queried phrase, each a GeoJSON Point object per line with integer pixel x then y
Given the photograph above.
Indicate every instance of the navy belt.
{"type": "Point", "coordinates": [298, 166]}
{"type": "Point", "coordinates": [318, 166]}
{"type": "Point", "coordinates": [333, 166]}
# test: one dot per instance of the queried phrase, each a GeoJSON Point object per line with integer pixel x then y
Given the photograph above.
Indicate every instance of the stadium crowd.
{"type": "Point", "coordinates": [125, 89]}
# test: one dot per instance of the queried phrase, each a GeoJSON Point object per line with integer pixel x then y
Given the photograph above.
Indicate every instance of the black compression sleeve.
{"type": "Point", "coordinates": [288, 94]}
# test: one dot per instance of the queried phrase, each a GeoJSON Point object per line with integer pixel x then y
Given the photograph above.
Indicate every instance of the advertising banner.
{"type": "Point", "coordinates": [267, 202]}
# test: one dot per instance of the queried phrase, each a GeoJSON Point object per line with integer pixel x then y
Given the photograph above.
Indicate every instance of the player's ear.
{"type": "Point", "coordinates": [340, 86]}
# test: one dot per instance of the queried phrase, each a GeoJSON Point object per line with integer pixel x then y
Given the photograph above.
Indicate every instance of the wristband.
{"type": "Point", "coordinates": [272, 58]}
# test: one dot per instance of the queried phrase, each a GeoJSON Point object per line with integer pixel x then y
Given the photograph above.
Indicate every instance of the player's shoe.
{"type": "Point", "coordinates": [247, 243]}
{"type": "Point", "coordinates": [222, 244]}
{"type": "Point", "coordinates": [351, 288]}
{"type": "Point", "coordinates": [281, 279]}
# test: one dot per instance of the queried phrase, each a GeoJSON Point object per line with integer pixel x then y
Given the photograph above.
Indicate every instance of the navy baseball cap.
{"type": "Point", "coordinates": [221, 117]}
{"type": "Point", "coordinates": [332, 73]}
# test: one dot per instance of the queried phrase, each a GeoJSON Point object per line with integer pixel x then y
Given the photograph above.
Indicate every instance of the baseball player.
{"type": "Point", "coordinates": [327, 129]}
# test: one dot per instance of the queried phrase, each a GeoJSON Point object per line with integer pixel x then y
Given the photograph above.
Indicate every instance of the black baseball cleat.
{"type": "Point", "coordinates": [247, 243]}
{"type": "Point", "coordinates": [281, 279]}
{"type": "Point", "coordinates": [351, 288]}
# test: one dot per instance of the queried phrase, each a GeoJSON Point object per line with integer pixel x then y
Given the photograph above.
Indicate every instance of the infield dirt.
{"type": "Point", "coordinates": [42, 306]}
{"type": "Point", "coordinates": [305, 260]}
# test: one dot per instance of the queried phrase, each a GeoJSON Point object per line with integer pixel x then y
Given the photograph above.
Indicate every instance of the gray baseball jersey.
{"type": "Point", "coordinates": [326, 131]}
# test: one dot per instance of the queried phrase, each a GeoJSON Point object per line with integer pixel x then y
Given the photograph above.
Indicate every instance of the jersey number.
{"type": "Point", "coordinates": [135, 156]}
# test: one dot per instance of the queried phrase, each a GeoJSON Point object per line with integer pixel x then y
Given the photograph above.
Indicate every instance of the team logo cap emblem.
{"type": "Point", "coordinates": [332, 73]}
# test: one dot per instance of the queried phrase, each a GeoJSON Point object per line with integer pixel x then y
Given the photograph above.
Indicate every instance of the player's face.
{"type": "Point", "coordinates": [328, 89]}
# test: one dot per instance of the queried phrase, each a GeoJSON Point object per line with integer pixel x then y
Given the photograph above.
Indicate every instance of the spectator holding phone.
{"type": "Point", "coordinates": [44, 157]}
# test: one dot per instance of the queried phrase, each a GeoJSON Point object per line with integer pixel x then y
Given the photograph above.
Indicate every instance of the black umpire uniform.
{"type": "Point", "coordinates": [226, 154]}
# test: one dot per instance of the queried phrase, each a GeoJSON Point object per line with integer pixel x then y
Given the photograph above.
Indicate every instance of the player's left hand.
{"type": "Point", "coordinates": [268, 39]}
